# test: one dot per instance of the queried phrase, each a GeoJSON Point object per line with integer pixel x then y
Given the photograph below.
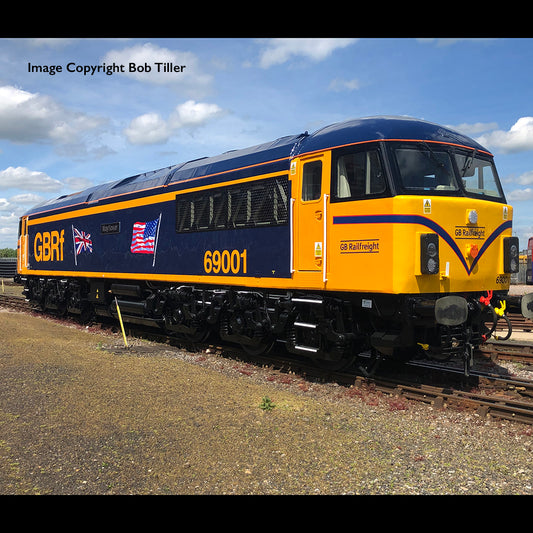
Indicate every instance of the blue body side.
{"type": "Point", "coordinates": [267, 249]}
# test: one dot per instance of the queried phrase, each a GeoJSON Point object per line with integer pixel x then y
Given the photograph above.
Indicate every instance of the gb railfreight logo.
{"type": "Point", "coordinates": [48, 246]}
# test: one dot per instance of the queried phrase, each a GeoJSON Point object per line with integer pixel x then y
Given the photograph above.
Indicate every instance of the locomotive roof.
{"type": "Point", "coordinates": [338, 134]}
{"type": "Point", "coordinates": [381, 128]}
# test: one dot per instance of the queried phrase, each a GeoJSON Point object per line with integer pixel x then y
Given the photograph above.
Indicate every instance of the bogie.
{"type": "Point", "coordinates": [329, 330]}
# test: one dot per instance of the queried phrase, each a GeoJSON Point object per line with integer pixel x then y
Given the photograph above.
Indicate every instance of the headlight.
{"type": "Point", "coordinates": [429, 253]}
{"type": "Point", "coordinates": [472, 216]}
{"type": "Point", "coordinates": [511, 253]}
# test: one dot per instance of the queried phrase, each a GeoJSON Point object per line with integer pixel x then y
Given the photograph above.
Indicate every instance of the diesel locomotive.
{"type": "Point", "coordinates": [370, 238]}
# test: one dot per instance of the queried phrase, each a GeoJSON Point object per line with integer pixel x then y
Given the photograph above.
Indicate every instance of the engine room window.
{"type": "Point", "coordinates": [312, 181]}
{"type": "Point", "coordinates": [260, 203]}
{"type": "Point", "coordinates": [358, 175]}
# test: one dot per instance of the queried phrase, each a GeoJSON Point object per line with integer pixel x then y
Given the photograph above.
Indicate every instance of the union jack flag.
{"type": "Point", "coordinates": [143, 239]}
{"type": "Point", "coordinates": [82, 241]}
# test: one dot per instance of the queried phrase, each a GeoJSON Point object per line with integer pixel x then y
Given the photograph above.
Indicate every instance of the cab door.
{"type": "Point", "coordinates": [22, 245]}
{"type": "Point", "coordinates": [311, 213]}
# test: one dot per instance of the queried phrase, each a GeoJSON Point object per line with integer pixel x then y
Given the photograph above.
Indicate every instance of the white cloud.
{"type": "Point", "coordinates": [9, 225]}
{"type": "Point", "coordinates": [77, 183]}
{"type": "Point", "coordinates": [27, 198]}
{"type": "Point", "coordinates": [476, 128]}
{"type": "Point", "coordinates": [50, 42]}
{"type": "Point", "coordinates": [447, 41]}
{"type": "Point", "coordinates": [339, 84]}
{"type": "Point", "coordinates": [190, 78]}
{"type": "Point", "coordinates": [13, 205]}
{"type": "Point", "coordinates": [518, 139]}
{"type": "Point", "coordinates": [4, 205]}
{"type": "Point", "coordinates": [524, 179]}
{"type": "Point", "coordinates": [30, 117]}
{"type": "Point", "coordinates": [192, 113]}
{"type": "Point", "coordinates": [151, 128]}
{"type": "Point", "coordinates": [280, 50]}
{"type": "Point", "coordinates": [520, 194]}
{"type": "Point", "coordinates": [522, 231]}
{"type": "Point", "coordinates": [28, 180]}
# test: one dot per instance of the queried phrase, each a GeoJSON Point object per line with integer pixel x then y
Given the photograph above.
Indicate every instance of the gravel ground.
{"type": "Point", "coordinates": [79, 414]}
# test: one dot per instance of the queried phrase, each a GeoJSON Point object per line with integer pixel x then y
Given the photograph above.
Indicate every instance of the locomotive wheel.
{"type": "Point", "coordinates": [368, 363]}
{"type": "Point", "coordinates": [86, 314]}
{"type": "Point", "coordinates": [258, 349]}
{"type": "Point", "coordinates": [199, 336]}
{"type": "Point", "coordinates": [61, 310]}
{"type": "Point", "coordinates": [336, 366]}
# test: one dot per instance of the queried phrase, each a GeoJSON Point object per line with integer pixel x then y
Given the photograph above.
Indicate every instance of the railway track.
{"type": "Point", "coordinates": [14, 302]}
{"type": "Point", "coordinates": [512, 400]}
{"type": "Point", "coordinates": [495, 405]}
{"type": "Point", "coordinates": [508, 351]}
{"type": "Point", "coordinates": [518, 322]}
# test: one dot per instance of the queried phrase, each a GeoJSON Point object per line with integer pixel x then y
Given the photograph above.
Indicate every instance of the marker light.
{"type": "Point", "coordinates": [429, 253]}
{"type": "Point", "coordinates": [511, 259]}
{"type": "Point", "coordinates": [472, 250]}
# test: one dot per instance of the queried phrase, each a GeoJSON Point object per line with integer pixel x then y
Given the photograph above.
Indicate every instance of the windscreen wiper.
{"type": "Point", "coordinates": [432, 155]}
{"type": "Point", "coordinates": [468, 163]}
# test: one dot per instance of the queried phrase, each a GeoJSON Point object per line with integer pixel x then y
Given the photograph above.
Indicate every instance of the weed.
{"type": "Point", "coordinates": [266, 404]}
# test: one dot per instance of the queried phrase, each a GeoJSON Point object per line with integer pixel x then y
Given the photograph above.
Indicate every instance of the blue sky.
{"type": "Point", "coordinates": [61, 133]}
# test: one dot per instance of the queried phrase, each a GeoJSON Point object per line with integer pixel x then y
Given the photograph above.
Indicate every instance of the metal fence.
{"type": "Point", "coordinates": [8, 267]}
{"type": "Point", "coordinates": [520, 277]}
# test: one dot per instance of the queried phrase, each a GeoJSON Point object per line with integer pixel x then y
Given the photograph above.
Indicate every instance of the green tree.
{"type": "Point", "coordinates": [8, 252]}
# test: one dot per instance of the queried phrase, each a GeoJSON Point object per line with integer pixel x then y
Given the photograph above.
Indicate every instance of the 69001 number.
{"type": "Point", "coordinates": [225, 261]}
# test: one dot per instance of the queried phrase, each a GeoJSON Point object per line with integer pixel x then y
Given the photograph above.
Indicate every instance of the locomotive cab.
{"type": "Point", "coordinates": [413, 228]}
{"type": "Point", "coordinates": [432, 226]}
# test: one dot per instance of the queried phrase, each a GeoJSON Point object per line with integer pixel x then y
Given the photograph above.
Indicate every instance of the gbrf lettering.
{"type": "Point", "coordinates": [48, 246]}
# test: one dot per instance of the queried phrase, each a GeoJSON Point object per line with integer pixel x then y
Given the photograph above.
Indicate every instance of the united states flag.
{"type": "Point", "coordinates": [143, 239]}
{"type": "Point", "coordinates": [82, 241]}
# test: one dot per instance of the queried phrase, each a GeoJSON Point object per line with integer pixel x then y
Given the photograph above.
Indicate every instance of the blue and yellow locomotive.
{"type": "Point", "coordinates": [383, 235]}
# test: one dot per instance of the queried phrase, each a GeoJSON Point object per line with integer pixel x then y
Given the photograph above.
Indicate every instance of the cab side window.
{"type": "Point", "coordinates": [312, 181]}
{"type": "Point", "coordinates": [357, 175]}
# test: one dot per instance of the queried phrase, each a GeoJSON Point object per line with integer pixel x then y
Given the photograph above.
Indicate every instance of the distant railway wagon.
{"type": "Point", "coordinates": [529, 272]}
{"type": "Point", "coordinates": [385, 236]}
